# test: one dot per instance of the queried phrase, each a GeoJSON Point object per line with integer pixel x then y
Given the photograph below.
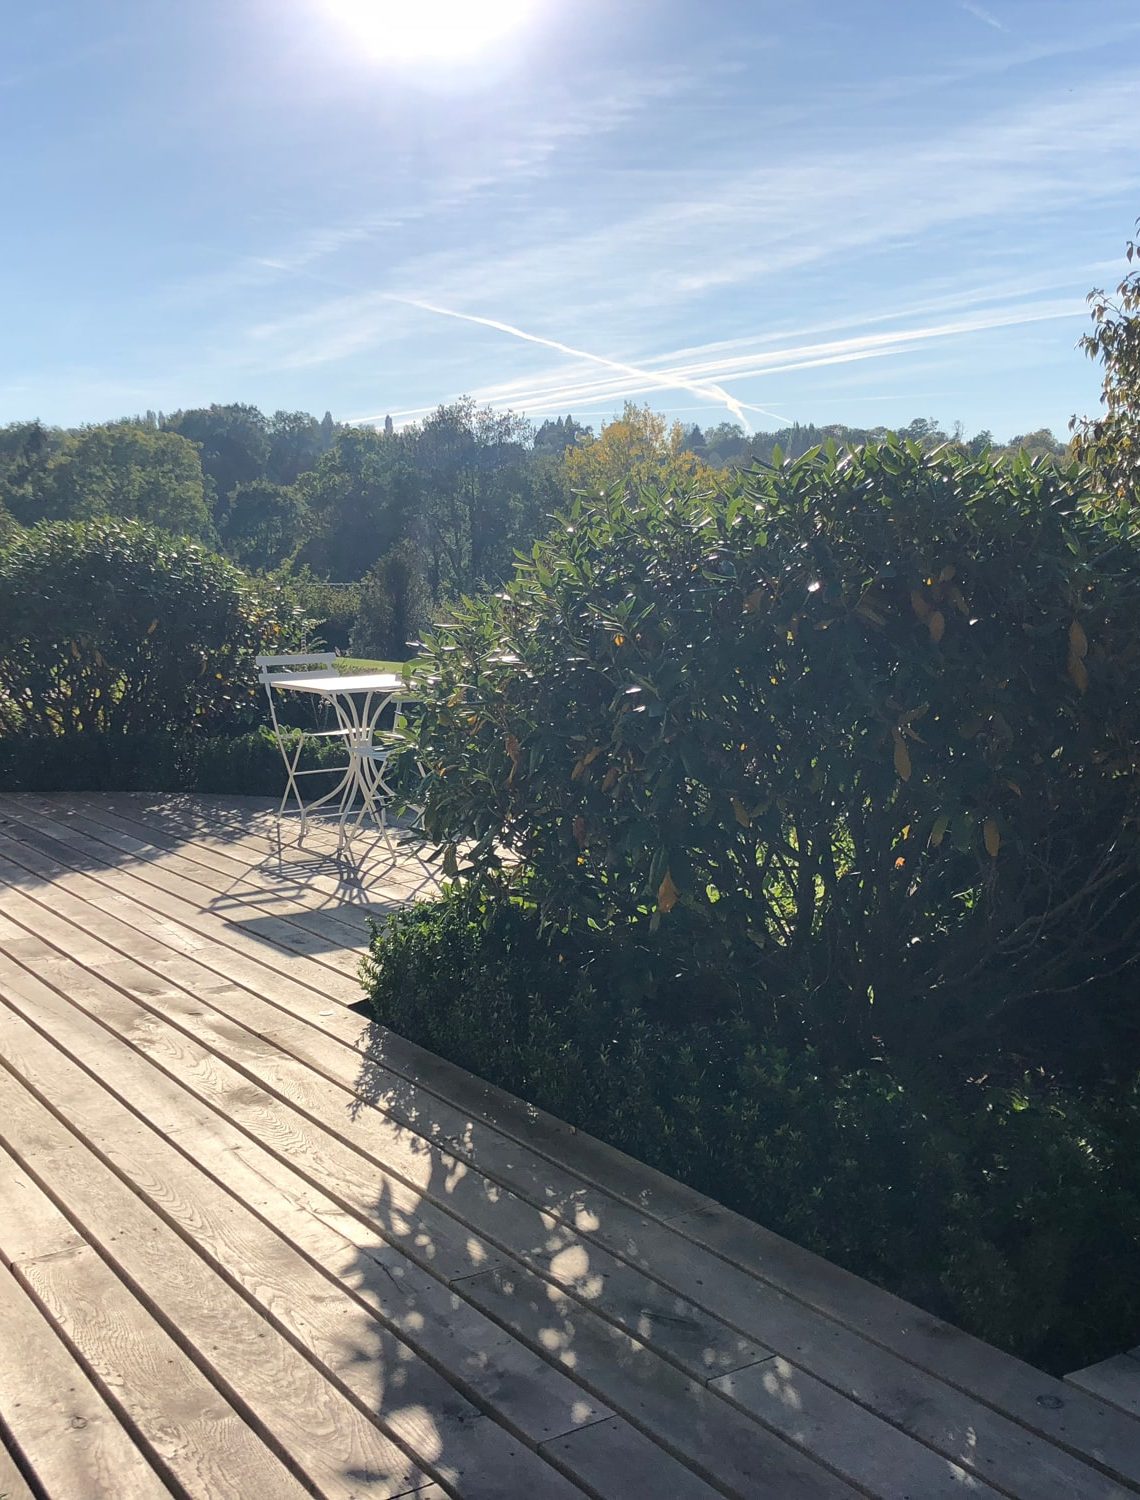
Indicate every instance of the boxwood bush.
{"type": "Point", "coordinates": [110, 629]}
{"type": "Point", "coordinates": [244, 764]}
{"type": "Point", "coordinates": [1014, 1212]}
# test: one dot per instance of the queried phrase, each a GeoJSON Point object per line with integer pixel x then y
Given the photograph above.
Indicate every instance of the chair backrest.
{"type": "Point", "coordinates": [269, 667]}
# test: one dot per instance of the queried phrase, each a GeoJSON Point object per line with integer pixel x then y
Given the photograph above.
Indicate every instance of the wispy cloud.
{"type": "Point", "coordinates": [747, 230]}
{"type": "Point", "coordinates": [983, 15]}
{"type": "Point", "coordinates": [496, 159]}
{"type": "Point", "coordinates": [751, 225]}
{"type": "Point", "coordinates": [772, 245]}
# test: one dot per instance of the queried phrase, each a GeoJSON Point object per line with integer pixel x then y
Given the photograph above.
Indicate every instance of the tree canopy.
{"type": "Point", "coordinates": [127, 470]}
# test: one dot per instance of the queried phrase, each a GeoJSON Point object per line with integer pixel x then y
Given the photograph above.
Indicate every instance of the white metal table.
{"type": "Point", "coordinates": [358, 699]}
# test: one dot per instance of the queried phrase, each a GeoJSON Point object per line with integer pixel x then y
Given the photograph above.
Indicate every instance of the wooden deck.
{"type": "Point", "coordinates": [253, 1247]}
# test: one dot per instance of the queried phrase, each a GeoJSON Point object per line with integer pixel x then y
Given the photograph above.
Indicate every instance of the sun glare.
{"type": "Point", "coordinates": [443, 31]}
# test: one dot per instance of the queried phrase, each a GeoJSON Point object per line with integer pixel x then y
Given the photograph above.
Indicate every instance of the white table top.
{"type": "Point", "coordinates": [331, 683]}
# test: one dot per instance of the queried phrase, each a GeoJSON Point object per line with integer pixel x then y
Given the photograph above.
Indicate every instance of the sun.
{"type": "Point", "coordinates": [418, 31]}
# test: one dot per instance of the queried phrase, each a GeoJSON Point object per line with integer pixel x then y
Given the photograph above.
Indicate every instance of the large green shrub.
{"type": "Point", "coordinates": [1013, 1212]}
{"type": "Point", "coordinates": [861, 733]}
{"type": "Point", "coordinates": [111, 629]}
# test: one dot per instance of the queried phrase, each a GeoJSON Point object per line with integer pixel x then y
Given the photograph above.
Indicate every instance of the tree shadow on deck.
{"type": "Point", "coordinates": [227, 857]}
{"type": "Point", "coordinates": [523, 1242]}
{"type": "Point", "coordinates": [583, 1281]}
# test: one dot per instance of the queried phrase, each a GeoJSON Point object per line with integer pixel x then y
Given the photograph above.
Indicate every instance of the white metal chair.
{"type": "Point", "coordinates": [269, 667]}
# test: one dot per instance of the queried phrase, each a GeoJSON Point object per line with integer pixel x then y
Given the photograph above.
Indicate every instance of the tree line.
{"type": "Point", "coordinates": [415, 516]}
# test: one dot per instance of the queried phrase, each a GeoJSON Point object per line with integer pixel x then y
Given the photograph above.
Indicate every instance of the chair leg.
{"type": "Point", "coordinates": [291, 787]}
{"type": "Point", "coordinates": [297, 791]}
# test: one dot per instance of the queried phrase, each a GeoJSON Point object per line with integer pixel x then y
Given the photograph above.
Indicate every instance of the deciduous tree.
{"type": "Point", "coordinates": [120, 469]}
{"type": "Point", "coordinates": [638, 448]}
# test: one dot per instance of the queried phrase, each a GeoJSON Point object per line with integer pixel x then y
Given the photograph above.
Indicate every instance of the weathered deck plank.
{"type": "Point", "coordinates": [1115, 1380]}
{"type": "Point", "coordinates": [68, 1436]}
{"type": "Point", "coordinates": [325, 1436]}
{"type": "Point", "coordinates": [178, 1053]}
{"type": "Point", "coordinates": [186, 1427]}
{"type": "Point", "coordinates": [173, 894]}
{"type": "Point", "coordinates": [351, 1349]}
{"type": "Point", "coordinates": [13, 1485]}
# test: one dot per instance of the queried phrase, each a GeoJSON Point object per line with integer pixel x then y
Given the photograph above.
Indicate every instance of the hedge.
{"type": "Point", "coordinates": [1012, 1212]}
{"type": "Point", "coordinates": [246, 764]}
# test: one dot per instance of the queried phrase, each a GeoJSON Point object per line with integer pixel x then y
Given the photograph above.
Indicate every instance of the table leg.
{"type": "Point", "coordinates": [369, 779]}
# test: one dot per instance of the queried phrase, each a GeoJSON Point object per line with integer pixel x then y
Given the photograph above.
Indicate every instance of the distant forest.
{"type": "Point", "coordinates": [430, 511]}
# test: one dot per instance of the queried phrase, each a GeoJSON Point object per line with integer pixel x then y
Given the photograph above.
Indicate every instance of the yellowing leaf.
{"type": "Point", "coordinates": [900, 862]}
{"type": "Point", "coordinates": [1078, 641]}
{"type": "Point", "coordinates": [619, 640]}
{"type": "Point", "coordinates": [741, 813]}
{"type": "Point", "coordinates": [936, 624]}
{"type": "Point", "coordinates": [918, 603]}
{"type": "Point", "coordinates": [992, 837]}
{"type": "Point", "coordinates": [667, 894]}
{"type": "Point", "coordinates": [152, 627]}
{"type": "Point", "coordinates": [864, 610]}
{"type": "Point", "coordinates": [514, 751]}
{"type": "Point", "coordinates": [1078, 673]}
{"type": "Point", "coordinates": [586, 760]}
{"type": "Point", "coordinates": [938, 832]}
{"type": "Point", "coordinates": [902, 756]}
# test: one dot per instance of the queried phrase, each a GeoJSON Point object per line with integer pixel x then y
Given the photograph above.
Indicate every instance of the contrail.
{"type": "Point", "coordinates": [549, 395]}
{"type": "Point", "coordinates": [650, 377]}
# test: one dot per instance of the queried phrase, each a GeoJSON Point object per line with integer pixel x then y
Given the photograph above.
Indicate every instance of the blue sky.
{"type": "Point", "coordinates": [833, 210]}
